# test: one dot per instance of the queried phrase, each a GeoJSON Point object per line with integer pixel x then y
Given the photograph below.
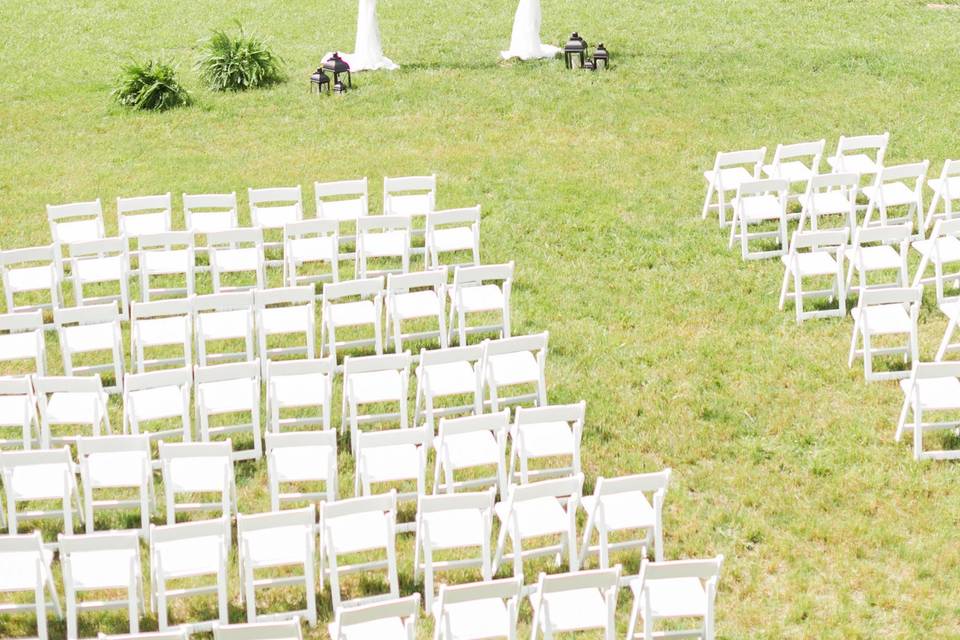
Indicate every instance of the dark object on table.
{"type": "Point", "coordinates": [319, 78]}
{"type": "Point", "coordinates": [576, 46]}
{"type": "Point", "coordinates": [601, 55]}
{"type": "Point", "coordinates": [338, 66]}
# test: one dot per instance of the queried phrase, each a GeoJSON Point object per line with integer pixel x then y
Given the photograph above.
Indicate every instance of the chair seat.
{"type": "Point", "coordinates": [226, 396]}
{"type": "Point", "coordinates": [172, 261]}
{"type": "Point", "coordinates": [546, 439]}
{"type": "Point", "coordinates": [853, 163]}
{"type": "Point", "coordinates": [412, 204]}
{"type": "Point", "coordinates": [384, 245]}
{"type": "Point", "coordinates": [759, 208]}
{"type": "Point", "coordinates": [117, 469]}
{"type": "Point", "coordinates": [473, 449]}
{"type": "Point", "coordinates": [39, 481]}
{"type": "Point", "coordinates": [140, 224]}
{"type": "Point", "coordinates": [628, 510]}
{"type": "Point", "coordinates": [537, 517]}
{"type": "Point", "coordinates": [15, 410]}
{"type": "Point", "coordinates": [223, 325]}
{"type": "Point", "coordinates": [155, 332]}
{"type": "Point", "coordinates": [102, 569]}
{"type": "Point", "coordinates": [301, 464]}
{"type": "Point", "coordinates": [451, 378]}
{"type": "Point", "coordinates": [390, 463]}
{"type": "Point", "coordinates": [351, 314]}
{"type": "Point", "coordinates": [417, 304]}
{"type": "Point", "coordinates": [674, 597]}
{"type": "Point", "coordinates": [892, 194]}
{"type": "Point", "coordinates": [731, 177]}
{"type": "Point", "coordinates": [280, 320]}
{"type": "Point", "coordinates": [193, 475]}
{"type": "Point", "coordinates": [236, 260]}
{"type": "Point", "coordinates": [30, 278]}
{"type": "Point", "coordinates": [192, 557]}
{"type": "Point", "coordinates": [453, 239]}
{"type": "Point", "coordinates": [18, 346]}
{"type": "Point", "coordinates": [454, 528]}
{"type": "Point", "coordinates": [936, 394]}
{"type": "Point", "coordinates": [951, 185]}
{"type": "Point", "coordinates": [75, 407]}
{"type": "Point", "coordinates": [828, 202]}
{"type": "Point", "coordinates": [312, 249]}
{"type": "Point", "coordinates": [342, 209]}
{"type": "Point", "coordinates": [476, 619]}
{"type": "Point", "coordinates": [18, 569]}
{"type": "Point", "coordinates": [487, 297]}
{"type": "Point", "coordinates": [792, 170]}
{"type": "Point", "coordinates": [513, 368]}
{"type": "Point", "coordinates": [277, 546]}
{"type": "Point", "coordinates": [78, 231]}
{"type": "Point", "coordinates": [89, 337]}
{"type": "Point", "coordinates": [156, 403]}
{"type": "Point", "coordinates": [886, 319]}
{"type": "Point", "coordinates": [376, 386]}
{"type": "Point", "coordinates": [573, 610]}
{"type": "Point", "coordinates": [359, 532]}
{"type": "Point", "coordinates": [944, 249]}
{"type": "Point", "coordinates": [384, 629]}
{"type": "Point", "coordinates": [107, 269]}
{"type": "Point", "coordinates": [208, 221]}
{"type": "Point", "coordinates": [302, 390]}
{"type": "Point", "coordinates": [814, 263]}
{"type": "Point", "coordinates": [274, 217]}
{"type": "Point", "coordinates": [875, 258]}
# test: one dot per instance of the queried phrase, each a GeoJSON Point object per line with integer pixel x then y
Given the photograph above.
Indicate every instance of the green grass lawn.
{"type": "Point", "coordinates": [783, 459]}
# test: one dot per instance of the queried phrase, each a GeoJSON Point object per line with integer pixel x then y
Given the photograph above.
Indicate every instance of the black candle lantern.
{"type": "Point", "coordinates": [601, 55]}
{"type": "Point", "coordinates": [339, 87]}
{"type": "Point", "coordinates": [319, 78]}
{"type": "Point", "coordinates": [589, 64]}
{"type": "Point", "coordinates": [338, 66]}
{"type": "Point", "coordinates": [575, 47]}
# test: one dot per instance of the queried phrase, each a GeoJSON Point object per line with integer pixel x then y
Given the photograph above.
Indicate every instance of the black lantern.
{"type": "Point", "coordinates": [601, 55]}
{"type": "Point", "coordinates": [338, 66]}
{"type": "Point", "coordinates": [319, 78]}
{"type": "Point", "coordinates": [589, 64]}
{"type": "Point", "coordinates": [339, 87]}
{"type": "Point", "coordinates": [574, 47]}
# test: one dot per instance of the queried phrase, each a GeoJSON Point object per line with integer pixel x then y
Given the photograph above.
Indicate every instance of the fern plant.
{"type": "Point", "coordinates": [150, 86]}
{"type": "Point", "coordinates": [237, 63]}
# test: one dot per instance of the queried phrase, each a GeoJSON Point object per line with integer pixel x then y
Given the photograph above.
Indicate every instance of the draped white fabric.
{"type": "Point", "coordinates": [525, 39]}
{"type": "Point", "coordinates": [368, 52]}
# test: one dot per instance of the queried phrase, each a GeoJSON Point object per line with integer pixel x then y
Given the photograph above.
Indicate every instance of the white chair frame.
{"type": "Point", "coordinates": [830, 194]}
{"type": "Point", "coordinates": [67, 395]}
{"type": "Point", "coordinates": [209, 212]}
{"type": "Point", "coordinates": [277, 312]}
{"type": "Point", "coordinates": [931, 387]}
{"type": "Point", "coordinates": [562, 425]}
{"type": "Point", "coordinates": [359, 313]}
{"type": "Point", "coordinates": [459, 608]}
{"type": "Point", "coordinates": [469, 281]}
{"type": "Point", "coordinates": [230, 252]}
{"type": "Point", "coordinates": [367, 616]}
{"type": "Point", "coordinates": [727, 174]}
{"type": "Point", "coordinates": [163, 323]}
{"type": "Point", "coordinates": [759, 202]}
{"type": "Point", "coordinates": [891, 190]}
{"type": "Point", "coordinates": [46, 463]}
{"type": "Point", "coordinates": [314, 454]}
{"type": "Point", "coordinates": [499, 356]}
{"type": "Point", "coordinates": [299, 384]}
{"type": "Point", "coordinates": [97, 456]}
{"type": "Point", "coordinates": [569, 592]}
{"type": "Point", "coordinates": [342, 201]}
{"type": "Point", "coordinates": [180, 464]}
{"type": "Point", "coordinates": [279, 630]}
{"type": "Point", "coordinates": [941, 248]}
{"type": "Point", "coordinates": [788, 164]}
{"type": "Point", "coordinates": [373, 371]}
{"type": "Point", "coordinates": [675, 572]}
{"type": "Point", "coordinates": [21, 273]}
{"type": "Point", "coordinates": [167, 254]}
{"type": "Point", "coordinates": [18, 408]}
{"type": "Point", "coordinates": [471, 442]}
{"type": "Point", "coordinates": [74, 222]}
{"type": "Point", "coordinates": [447, 372]}
{"type": "Point", "coordinates": [76, 327]}
{"type": "Point", "coordinates": [93, 262]}
{"type": "Point", "coordinates": [881, 300]}
{"type": "Point", "coordinates": [216, 316]}
{"type": "Point", "coordinates": [310, 242]}
{"type": "Point", "coordinates": [945, 189]}
{"type": "Point", "coordinates": [375, 238]}
{"type": "Point", "coordinates": [824, 259]}
{"type": "Point", "coordinates": [452, 231]}
{"type": "Point", "coordinates": [218, 390]}
{"type": "Point", "coordinates": [416, 296]}
{"type": "Point", "coordinates": [39, 581]}
{"type": "Point", "coordinates": [22, 338]}
{"type": "Point", "coordinates": [886, 242]}
{"type": "Point", "coordinates": [274, 207]}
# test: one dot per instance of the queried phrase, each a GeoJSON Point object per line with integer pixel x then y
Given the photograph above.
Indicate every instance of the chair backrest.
{"type": "Point", "coordinates": [312, 227]}
{"type": "Point", "coordinates": [496, 422]}
{"type": "Point", "coordinates": [403, 282]}
{"type": "Point", "coordinates": [33, 457]}
{"type": "Point", "coordinates": [603, 579]}
{"type": "Point", "coordinates": [22, 543]}
{"type": "Point", "coordinates": [162, 204]}
{"type": "Point", "coordinates": [68, 384]}
{"type": "Point", "coordinates": [573, 414]}
{"type": "Point", "coordinates": [504, 588]}
{"type": "Point", "coordinates": [222, 203]}
{"type": "Point", "coordinates": [178, 634]}
{"type": "Point", "coordinates": [275, 196]}
{"type": "Point", "coordinates": [234, 238]}
{"type": "Point", "coordinates": [162, 308]}
{"type": "Point", "coordinates": [877, 142]}
{"type": "Point", "coordinates": [555, 488]}
{"type": "Point", "coordinates": [408, 184]}
{"type": "Point", "coordinates": [671, 569]}
{"type": "Point", "coordinates": [761, 187]}
{"type": "Point", "coordinates": [278, 368]}
{"type": "Point", "coordinates": [21, 321]}
{"type": "Point", "coordinates": [830, 181]}
{"type": "Point", "coordinates": [943, 228]}
{"type": "Point", "coordinates": [16, 386]}
{"type": "Point", "coordinates": [812, 150]}
{"type": "Point", "coordinates": [727, 159]}
{"type": "Point", "coordinates": [891, 295]}
{"type": "Point", "coordinates": [404, 608]}
{"type": "Point", "coordinates": [291, 439]}
{"type": "Point", "coordinates": [644, 482]}
{"type": "Point", "coordinates": [305, 517]}
{"type": "Point", "coordinates": [929, 370]}
{"type": "Point", "coordinates": [230, 371]}
{"type": "Point", "coordinates": [831, 240]}
{"type": "Point", "coordinates": [160, 534]}
{"type": "Point", "coordinates": [914, 171]}
{"type": "Point", "coordinates": [417, 436]}
{"type": "Point", "coordinates": [382, 502]}
{"type": "Point", "coordinates": [462, 216]}
{"type": "Point", "coordinates": [100, 248]}
{"type": "Point", "coordinates": [216, 302]}
{"type": "Point", "coordinates": [167, 240]}
{"type": "Point", "coordinates": [60, 214]}
{"type": "Point", "coordinates": [379, 224]}
{"type": "Point", "coordinates": [99, 541]}
{"type": "Point", "coordinates": [469, 353]}
{"type": "Point", "coordinates": [889, 233]}
{"type": "Point", "coordinates": [113, 444]}
{"type": "Point", "coordinates": [13, 257]}
{"type": "Point", "coordinates": [366, 364]}
{"type": "Point", "coordinates": [341, 190]}
{"type": "Point", "coordinates": [480, 500]}
{"type": "Point", "coordinates": [536, 342]}
{"type": "Point", "coordinates": [468, 276]}
{"type": "Point", "coordinates": [291, 296]}
{"type": "Point", "coordinates": [333, 291]}
{"type": "Point", "coordinates": [276, 630]}
{"type": "Point", "coordinates": [92, 314]}
{"type": "Point", "coordinates": [175, 450]}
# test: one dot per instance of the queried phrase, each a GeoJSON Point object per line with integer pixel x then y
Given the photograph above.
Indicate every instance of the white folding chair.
{"type": "Point", "coordinates": [622, 505]}
{"type": "Point", "coordinates": [18, 409]}
{"type": "Point", "coordinates": [946, 189]}
{"type": "Point", "coordinates": [111, 463]}
{"type": "Point", "coordinates": [101, 262]}
{"type": "Point", "coordinates": [195, 550]}
{"type": "Point", "coordinates": [471, 442]}
{"type": "Point", "coordinates": [847, 160]}
{"type": "Point", "coordinates": [830, 195]}
{"type": "Point", "coordinates": [885, 312]}
{"type": "Point", "coordinates": [374, 380]}
{"type": "Point", "coordinates": [75, 222]}
{"type": "Point", "coordinates": [286, 313]}
{"type": "Point", "coordinates": [207, 213]}
{"type": "Point", "coordinates": [167, 255]}
{"type": "Point", "coordinates": [106, 562]}
{"type": "Point", "coordinates": [94, 329]}
{"type": "Point", "coordinates": [299, 385]}
{"type": "Point", "coordinates": [552, 433]}
{"type": "Point", "coordinates": [308, 243]}
{"type": "Point", "coordinates": [229, 389]}
{"type": "Point", "coordinates": [442, 373]}
{"type": "Point", "coordinates": [382, 239]}
{"type": "Point", "coordinates": [942, 249]}
{"type": "Point", "coordinates": [460, 523]}
{"type": "Point", "coordinates": [198, 468]}
{"type": "Point", "coordinates": [267, 542]}
{"type": "Point", "coordinates": [274, 207]}
{"type": "Point", "coordinates": [144, 215]}
{"type": "Point", "coordinates": [28, 271]}
{"type": "Point", "coordinates": [674, 590]}
{"type": "Point", "coordinates": [237, 251]}
{"type": "Point", "coordinates": [66, 400]}
{"type": "Point", "coordinates": [26, 569]}
{"type": "Point", "coordinates": [177, 634]}
{"type": "Point", "coordinates": [342, 201]}
{"type": "Point", "coordinates": [161, 325]}
{"type": "Point", "coordinates": [815, 254]}
{"type": "Point", "coordinates": [395, 619]}
{"type": "Point", "coordinates": [359, 526]}
{"type": "Point", "coordinates": [933, 387]}
{"type": "Point", "coordinates": [759, 203]}
{"type": "Point", "coordinates": [221, 318]}
{"type": "Point", "coordinates": [354, 303]}
{"type": "Point", "coordinates": [514, 362]}
{"type": "Point", "coordinates": [279, 630]}
{"type": "Point", "coordinates": [879, 249]}
{"type": "Point", "coordinates": [386, 459]}
{"type": "Point", "coordinates": [21, 339]}
{"type": "Point", "coordinates": [297, 459]}
{"type": "Point", "coordinates": [40, 475]}
{"type": "Point", "coordinates": [891, 189]}
{"type": "Point", "coordinates": [788, 163]}
{"type": "Point", "coordinates": [730, 170]}
{"type": "Point", "coordinates": [539, 510]}
{"type": "Point", "coordinates": [416, 297]}
{"type": "Point", "coordinates": [477, 610]}
{"type": "Point", "coordinates": [409, 196]}
{"type": "Point", "coordinates": [480, 290]}
{"type": "Point", "coordinates": [575, 602]}
{"type": "Point", "coordinates": [453, 231]}
{"type": "Point", "coordinates": [950, 307]}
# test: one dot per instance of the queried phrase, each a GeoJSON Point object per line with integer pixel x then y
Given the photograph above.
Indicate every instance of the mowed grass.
{"type": "Point", "coordinates": [783, 459]}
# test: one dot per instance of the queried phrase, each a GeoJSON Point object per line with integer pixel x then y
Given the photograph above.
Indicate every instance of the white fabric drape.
{"type": "Point", "coordinates": [525, 38]}
{"type": "Point", "coordinates": [368, 52]}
